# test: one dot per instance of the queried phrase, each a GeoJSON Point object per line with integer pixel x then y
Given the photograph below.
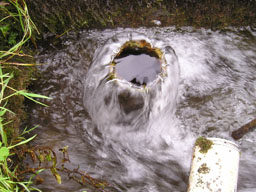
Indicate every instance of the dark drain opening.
{"type": "Point", "coordinates": [138, 63]}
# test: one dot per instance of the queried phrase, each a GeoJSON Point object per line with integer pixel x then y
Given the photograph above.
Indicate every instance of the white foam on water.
{"type": "Point", "coordinates": [214, 95]}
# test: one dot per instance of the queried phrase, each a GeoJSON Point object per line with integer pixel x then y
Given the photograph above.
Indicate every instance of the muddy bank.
{"type": "Point", "coordinates": [59, 16]}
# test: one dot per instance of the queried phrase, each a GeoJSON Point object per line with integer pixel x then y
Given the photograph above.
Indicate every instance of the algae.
{"type": "Point", "coordinates": [203, 169]}
{"type": "Point", "coordinates": [204, 144]}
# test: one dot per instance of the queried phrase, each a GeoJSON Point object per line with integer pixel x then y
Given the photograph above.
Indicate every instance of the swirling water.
{"type": "Point", "coordinates": [211, 93]}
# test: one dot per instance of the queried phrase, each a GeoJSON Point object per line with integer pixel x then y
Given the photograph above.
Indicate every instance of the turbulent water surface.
{"type": "Point", "coordinates": [210, 91]}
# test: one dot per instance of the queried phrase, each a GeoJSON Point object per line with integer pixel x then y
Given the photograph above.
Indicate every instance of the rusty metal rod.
{"type": "Point", "coordinates": [239, 133]}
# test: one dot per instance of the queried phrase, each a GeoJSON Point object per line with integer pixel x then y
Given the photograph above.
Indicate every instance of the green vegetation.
{"type": "Point", "coordinates": [9, 173]}
{"type": "Point", "coordinates": [204, 144]}
{"type": "Point", "coordinates": [14, 25]}
{"type": "Point", "coordinates": [16, 29]}
{"type": "Point", "coordinates": [58, 18]}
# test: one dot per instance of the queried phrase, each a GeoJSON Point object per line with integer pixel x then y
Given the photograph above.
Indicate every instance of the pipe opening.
{"type": "Point", "coordinates": [138, 63]}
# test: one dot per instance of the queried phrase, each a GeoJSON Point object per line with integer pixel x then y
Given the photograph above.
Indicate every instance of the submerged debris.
{"type": "Point", "coordinates": [239, 133]}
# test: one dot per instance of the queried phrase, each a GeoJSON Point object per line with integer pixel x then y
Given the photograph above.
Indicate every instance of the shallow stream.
{"type": "Point", "coordinates": [215, 95]}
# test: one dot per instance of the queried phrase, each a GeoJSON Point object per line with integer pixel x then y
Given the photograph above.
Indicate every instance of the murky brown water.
{"type": "Point", "coordinates": [216, 94]}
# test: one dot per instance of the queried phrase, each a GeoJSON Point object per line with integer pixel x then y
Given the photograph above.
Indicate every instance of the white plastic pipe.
{"type": "Point", "coordinates": [214, 166]}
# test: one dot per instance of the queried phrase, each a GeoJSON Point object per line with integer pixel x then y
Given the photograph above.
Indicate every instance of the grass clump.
{"type": "Point", "coordinates": [16, 28]}
{"type": "Point", "coordinates": [9, 173]}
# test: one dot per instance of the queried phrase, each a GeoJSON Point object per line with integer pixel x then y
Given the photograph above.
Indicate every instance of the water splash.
{"type": "Point", "coordinates": [216, 95]}
{"type": "Point", "coordinates": [106, 99]}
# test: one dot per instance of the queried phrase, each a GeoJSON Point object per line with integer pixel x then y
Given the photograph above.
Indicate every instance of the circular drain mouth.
{"type": "Point", "coordinates": [137, 62]}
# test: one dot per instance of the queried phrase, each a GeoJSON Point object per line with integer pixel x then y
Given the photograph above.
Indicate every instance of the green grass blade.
{"type": "Point", "coordinates": [31, 97]}
{"type": "Point", "coordinates": [8, 177]}
{"type": "Point", "coordinates": [38, 102]}
{"type": "Point", "coordinates": [5, 184]}
{"type": "Point", "coordinates": [9, 96]}
{"type": "Point", "coordinates": [24, 186]}
{"type": "Point", "coordinates": [3, 111]}
{"type": "Point", "coordinates": [25, 131]}
{"type": "Point", "coordinates": [22, 142]}
{"type": "Point", "coordinates": [2, 133]}
{"type": "Point", "coordinates": [24, 93]}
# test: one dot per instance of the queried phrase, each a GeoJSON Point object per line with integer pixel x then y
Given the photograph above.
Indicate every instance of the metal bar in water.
{"type": "Point", "coordinates": [239, 133]}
